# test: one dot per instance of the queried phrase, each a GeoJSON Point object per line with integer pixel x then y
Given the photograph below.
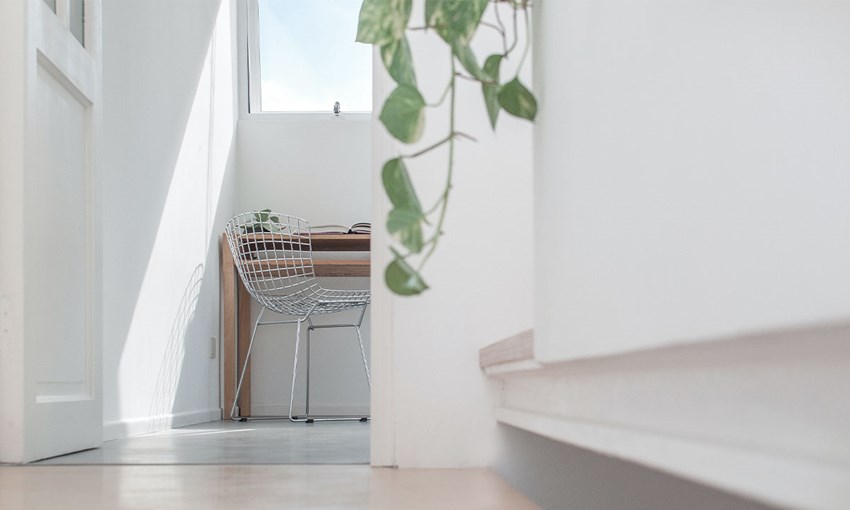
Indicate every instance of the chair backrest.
{"type": "Point", "coordinates": [272, 252]}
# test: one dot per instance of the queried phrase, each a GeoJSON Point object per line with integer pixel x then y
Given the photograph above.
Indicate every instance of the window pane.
{"type": "Point", "coordinates": [77, 19]}
{"type": "Point", "coordinates": [308, 57]}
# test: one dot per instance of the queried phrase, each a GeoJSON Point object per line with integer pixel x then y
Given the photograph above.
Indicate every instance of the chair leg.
{"type": "Point", "coordinates": [307, 418]}
{"type": "Point", "coordinates": [293, 417]}
{"type": "Point", "coordinates": [294, 371]}
{"type": "Point", "coordinates": [244, 368]}
{"type": "Point", "coordinates": [307, 377]}
{"type": "Point", "coordinates": [363, 353]}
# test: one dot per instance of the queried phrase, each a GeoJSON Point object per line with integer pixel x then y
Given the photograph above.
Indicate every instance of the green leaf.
{"type": "Point", "coordinates": [382, 21]}
{"type": "Point", "coordinates": [262, 216]}
{"type": "Point", "coordinates": [454, 20]}
{"type": "Point", "coordinates": [404, 114]}
{"type": "Point", "coordinates": [469, 62]}
{"type": "Point", "coordinates": [398, 186]}
{"type": "Point", "coordinates": [491, 90]}
{"type": "Point", "coordinates": [518, 100]}
{"type": "Point", "coordinates": [403, 279]}
{"type": "Point", "coordinates": [406, 226]}
{"type": "Point", "coordinates": [399, 62]}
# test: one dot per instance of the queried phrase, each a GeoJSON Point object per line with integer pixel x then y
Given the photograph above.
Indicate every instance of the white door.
{"type": "Point", "coordinates": [52, 305]}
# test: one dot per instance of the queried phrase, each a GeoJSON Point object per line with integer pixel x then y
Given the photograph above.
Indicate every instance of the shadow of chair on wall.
{"type": "Point", "coordinates": [171, 366]}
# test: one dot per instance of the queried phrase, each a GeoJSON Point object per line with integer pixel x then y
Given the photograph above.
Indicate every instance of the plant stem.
{"type": "Point", "coordinates": [501, 27]}
{"type": "Point", "coordinates": [430, 147]}
{"type": "Point", "coordinates": [429, 212]}
{"type": "Point", "coordinates": [434, 207]}
{"type": "Point", "coordinates": [442, 98]}
{"type": "Point", "coordinates": [494, 27]}
{"type": "Point", "coordinates": [473, 78]}
{"type": "Point", "coordinates": [516, 34]}
{"type": "Point", "coordinates": [527, 40]}
{"type": "Point", "coordinates": [438, 232]}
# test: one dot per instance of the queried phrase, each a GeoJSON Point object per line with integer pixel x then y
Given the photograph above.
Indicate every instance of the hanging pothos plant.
{"type": "Point", "coordinates": [384, 23]}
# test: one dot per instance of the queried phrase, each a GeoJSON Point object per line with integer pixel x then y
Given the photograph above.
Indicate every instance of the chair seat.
{"type": "Point", "coordinates": [318, 299]}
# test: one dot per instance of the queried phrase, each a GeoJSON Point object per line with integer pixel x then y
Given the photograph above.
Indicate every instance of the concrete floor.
{"type": "Point", "coordinates": [254, 487]}
{"type": "Point", "coordinates": [228, 442]}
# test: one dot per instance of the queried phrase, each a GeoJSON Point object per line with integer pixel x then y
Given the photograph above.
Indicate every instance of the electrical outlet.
{"type": "Point", "coordinates": [5, 311]}
{"type": "Point", "coordinates": [213, 347]}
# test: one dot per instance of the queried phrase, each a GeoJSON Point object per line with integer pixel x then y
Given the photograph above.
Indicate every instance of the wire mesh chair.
{"type": "Point", "coordinates": [273, 255]}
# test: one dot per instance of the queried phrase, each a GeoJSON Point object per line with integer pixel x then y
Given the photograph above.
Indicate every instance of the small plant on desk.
{"type": "Point", "coordinates": [263, 222]}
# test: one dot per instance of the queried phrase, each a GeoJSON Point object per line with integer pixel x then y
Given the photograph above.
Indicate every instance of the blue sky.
{"type": "Point", "coordinates": [309, 58]}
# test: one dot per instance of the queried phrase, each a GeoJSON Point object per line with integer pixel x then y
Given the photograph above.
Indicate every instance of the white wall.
{"type": "Point", "coordinates": [318, 169]}
{"type": "Point", "coordinates": [432, 407]}
{"type": "Point", "coordinates": [692, 175]}
{"type": "Point", "coordinates": [693, 249]}
{"type": "Point", "coordinates": [170, 114]}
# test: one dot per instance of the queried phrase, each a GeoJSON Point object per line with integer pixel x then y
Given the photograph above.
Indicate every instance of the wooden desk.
{"type": "Point", "coordinates": [236, 305]}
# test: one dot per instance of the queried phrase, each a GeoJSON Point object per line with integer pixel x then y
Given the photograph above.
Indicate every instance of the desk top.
{"type": "Point", "coordinates": [341, 242]}
{"type": "Point", "coordinates": [320, 242]}
{"type": "Point", "coordinates": [320, 267]}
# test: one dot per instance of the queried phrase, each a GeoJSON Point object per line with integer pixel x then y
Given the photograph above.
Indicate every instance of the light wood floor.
{"type": "Point", "coordinates": [254, 487]}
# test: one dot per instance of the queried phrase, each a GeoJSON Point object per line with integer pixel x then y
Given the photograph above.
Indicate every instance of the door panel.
{"type": "Point", "coordinates": [60, 177]}
{"type": "Point", "coordinates": [63, 410]}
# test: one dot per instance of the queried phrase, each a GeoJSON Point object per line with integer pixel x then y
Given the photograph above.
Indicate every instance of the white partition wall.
{"type": "Point", "coordinates": [170, 114]}
{"type": "Point", "coordinates": [693, 243]}
{"type": "Point", "coordinates": [432, 406]}
{"type": "Point", "coordinates": [693, 171]}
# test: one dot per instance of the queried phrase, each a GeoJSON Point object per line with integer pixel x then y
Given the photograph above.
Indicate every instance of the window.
{"type": "Point", "coordinates": [77, 15]}
{"type": "Point", "coordinates": [303, 58]}
{"type": "Point", "coordinates": [73, 12]}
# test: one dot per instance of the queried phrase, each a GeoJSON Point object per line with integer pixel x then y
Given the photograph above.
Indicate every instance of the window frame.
{"type": "Point", "coordinates": [254, 79]}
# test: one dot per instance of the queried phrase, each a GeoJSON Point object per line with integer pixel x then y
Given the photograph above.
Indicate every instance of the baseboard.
{"type": "Point", "coordinates": [149, 424]}
{"type": "Point", "coordinates": [772, 479]}
{"type": "Point", "coordinates": [555, 474]}
{"type": "Point", "coordinates": [764, 416]}
{"type": "Point", "coordinates": [318, 409]}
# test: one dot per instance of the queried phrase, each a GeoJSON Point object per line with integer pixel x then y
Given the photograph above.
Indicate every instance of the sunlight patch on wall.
{"type": "Point", "coordinates": [165, 328]}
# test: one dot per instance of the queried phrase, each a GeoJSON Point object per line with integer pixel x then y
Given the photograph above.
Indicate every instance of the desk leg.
{"type": "Point", "coordinates": [228, 312]}
{"type": "Point", "coordinates": [244, 339]}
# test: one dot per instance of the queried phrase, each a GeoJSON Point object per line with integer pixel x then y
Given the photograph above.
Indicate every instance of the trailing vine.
{"type": "Point", "coordinates": [385, 23]}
